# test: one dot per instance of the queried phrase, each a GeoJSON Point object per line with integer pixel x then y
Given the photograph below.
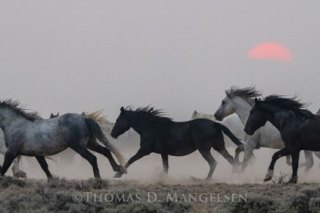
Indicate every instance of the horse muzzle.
{"type": "Point", "coordinates": [115, 136]}
{"type": "Point", "coordinates": [248, 131]}
{"type": "Point", "coordinates": [218, 117]}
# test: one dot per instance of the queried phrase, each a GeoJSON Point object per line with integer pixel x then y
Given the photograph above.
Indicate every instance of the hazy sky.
{"type": "Point", "coordinates": [81, 55]}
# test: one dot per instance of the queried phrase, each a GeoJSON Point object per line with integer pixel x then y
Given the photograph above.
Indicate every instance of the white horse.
{"type": "Point", "coordinates": [232, 122]}
{"type": "Point", "coordinates": [240, 101]}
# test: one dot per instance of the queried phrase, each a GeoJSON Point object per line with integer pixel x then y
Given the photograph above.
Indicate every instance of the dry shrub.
{"type": "Point", "coordinates": [30, 196]}
{"type": "Point", "coordinates": [306, 200]}
{"type": "Point", "coordinates": [162, 207]}
{"type": "Point", "coordinates": [81, 185]}
{"type": "Point", "coordinates": [6, 181]}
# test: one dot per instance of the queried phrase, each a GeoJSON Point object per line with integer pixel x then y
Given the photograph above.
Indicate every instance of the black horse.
{"type": "Point", "coordinates": [299, 128]}
{"type": "Point", "coordinates": [161, 135]}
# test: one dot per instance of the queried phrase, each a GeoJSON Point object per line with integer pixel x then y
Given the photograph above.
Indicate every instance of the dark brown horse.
{"type": "Point", "coordinates": [161, 135]}
{"type": "Point", "coordinates": [299, 128]}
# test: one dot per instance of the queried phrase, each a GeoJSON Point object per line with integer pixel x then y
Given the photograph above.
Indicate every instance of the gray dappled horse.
{"type": "Point", "coordinates": [27, 134]}
{"type": "Point", "coordinates": [17, 172]}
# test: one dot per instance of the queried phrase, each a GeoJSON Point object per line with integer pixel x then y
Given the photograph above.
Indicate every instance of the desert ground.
{"type": "Point", "coordinates": [62, 195]}
{"type": "Point", "coordinates": [146, 189]}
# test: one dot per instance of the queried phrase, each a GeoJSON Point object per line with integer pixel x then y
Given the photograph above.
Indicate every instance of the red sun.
{"type": "Point", "coordinates": [270, 51]}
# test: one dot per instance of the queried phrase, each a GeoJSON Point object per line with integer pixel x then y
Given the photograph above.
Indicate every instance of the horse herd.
{"type": "Point", "coordinates": [274, 122]}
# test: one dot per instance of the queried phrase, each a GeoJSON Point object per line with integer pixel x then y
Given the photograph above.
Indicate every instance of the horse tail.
{"type": "Point", "coordinates": [226, 131]}
{"type": "Point", "coordinates": [97, 133]}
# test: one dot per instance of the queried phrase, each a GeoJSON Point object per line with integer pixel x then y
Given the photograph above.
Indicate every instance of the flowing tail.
{"type": "Point", "coordinates": [226, 131]}
{"type": "Point", "coordinates": [97, 132]}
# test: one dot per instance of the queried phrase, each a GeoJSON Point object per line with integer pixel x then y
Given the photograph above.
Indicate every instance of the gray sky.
{"type": "Point", "coordinates": [81, 55]}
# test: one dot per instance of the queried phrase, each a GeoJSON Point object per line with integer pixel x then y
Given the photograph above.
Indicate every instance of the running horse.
{"type": "Point", "coordinates": [27, 134]}
{"type": "Point", "coordinates": [240, 101]}
{"type": "Point", "coordinates": [161, 135]}
{"type": "Point", "coordinates": [299, 128]}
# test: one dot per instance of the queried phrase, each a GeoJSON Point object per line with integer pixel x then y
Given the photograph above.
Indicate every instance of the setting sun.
{"type": "Point", "coordinates": [270, 51]}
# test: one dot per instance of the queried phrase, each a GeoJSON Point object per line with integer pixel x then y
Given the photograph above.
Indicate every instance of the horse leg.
{"type": "Point", "coordinates": [288, 160]}
{"type": "Point", "coordinates": [238, 150]}
{"type": "Point", "coordinates": [90, 158]}
{"type": "Point", "coordinates": [295, 152]}
{"type": "Point", "coordinates": [43, 163]}
{"type": "Point", "coordinates": [317, 154]}
{"type": "Point", "coordinates": [8, 158]}
{"type": "Point", "coordinates": [283, 152]}
{"type": "Point", "coordinates": [17, 172]}
{"type": "Point", "coordinates": [165, 162]}
{"type": "Point", "coordinates": [94, 146]}
{"type": "Point", "coordinates": [249, 146]}
{"type": "Point", "coordinates": [224, 152]}
{"type": "Point", "coordinates": [141, 153]}
{"type": "Point", "coordinates": [206, 154]}
{"type": "Point", "coordinates": [308, 160]}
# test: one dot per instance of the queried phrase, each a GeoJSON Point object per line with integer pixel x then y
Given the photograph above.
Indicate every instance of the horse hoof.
{"type": "Point", "coordinates": [195, 178]}
{"type": "Point", "coordinates": [267, 178]}
{"type": "Point", "coordinates": [20, 174]}
{"type": "Point", "coordinates": [118, 175]}
{"type": "Point", "coordinates": [269, 175]}
{"type": "Point", "coordinates": [123, 170]}
{"type": "Point", "coordinates": [289, 182]}
{"type": "Point", "coordinates": [293, 180]}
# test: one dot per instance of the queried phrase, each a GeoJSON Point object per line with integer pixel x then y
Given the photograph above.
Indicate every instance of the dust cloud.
{"type": "Point", "coordinates": [181, 169]}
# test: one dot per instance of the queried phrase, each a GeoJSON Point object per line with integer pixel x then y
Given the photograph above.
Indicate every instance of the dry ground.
{"type": "Point", "coordinates": [74, 191]}
{"type": "Point", "coordinates": [62, 195]}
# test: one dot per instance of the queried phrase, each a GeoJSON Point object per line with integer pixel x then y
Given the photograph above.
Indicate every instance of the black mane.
{"type": "Point", "coordinates": [15, 106]}
{"type": "Point", "coordinates": [289, 104]}
{"type": "Point", "coordinates": [247, 92]}
{"type": "Point", "coordinates": [149, 112]}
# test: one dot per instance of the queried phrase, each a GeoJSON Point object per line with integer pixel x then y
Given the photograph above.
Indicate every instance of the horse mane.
{"type": "Point", "coordinates": [246, 92]}
{"type": "Point", "coordinates": [149, 112]}
{"type": "Point", "coordinates": [289, 104]}
{"type": "Point", "coordinates": [98, 117]}
{"type": "Point", "coordinates": [15, 107]}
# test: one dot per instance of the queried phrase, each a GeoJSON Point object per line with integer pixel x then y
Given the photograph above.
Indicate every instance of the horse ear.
{"type": "Point", "coordinates": [58, 114]}
{"type": "Point", "coordinates": [122, 109]}
{"type": "Point", "coordinates": [256, 101]}
{"type": "Point", "coordinates": [227, 93]}
{"type": "Point", "coordinates": [51, 115]}
{"type": "Point", "coordinates": [195, 112]}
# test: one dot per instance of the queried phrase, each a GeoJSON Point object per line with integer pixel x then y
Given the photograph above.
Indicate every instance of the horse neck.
{"type": "Point", "coordinates": [9, 119]}
{"type": "Point", "coordinates": [274, 117]}
{"type": "Point", "coordinates": [138, 123]}
{"type": "Point", "coordinates": [242, 109]}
